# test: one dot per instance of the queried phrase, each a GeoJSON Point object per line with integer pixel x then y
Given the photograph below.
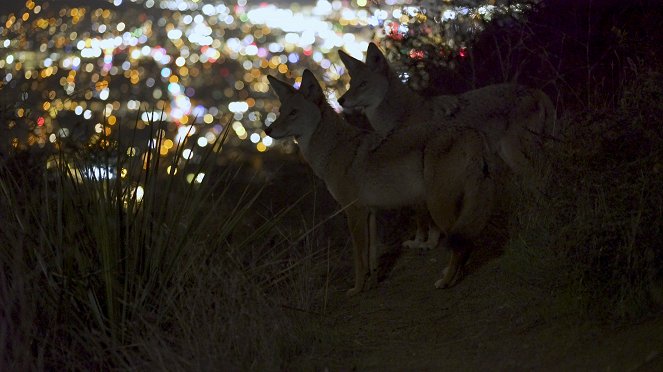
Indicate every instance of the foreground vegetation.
{"type": "Point", "coordinates": [594, 238]}
{"type": "Point", "coordinates": [148, 270]}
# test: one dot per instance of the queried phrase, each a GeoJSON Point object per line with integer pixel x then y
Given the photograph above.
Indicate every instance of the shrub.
{"type": "Point", "coordinates": [601, 223]}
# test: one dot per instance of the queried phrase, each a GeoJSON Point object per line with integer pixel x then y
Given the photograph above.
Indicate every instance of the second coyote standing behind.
{"type": "Point", "coordinates": [514, 118]}
{"type": "Point", "coordinates": [447, 170]}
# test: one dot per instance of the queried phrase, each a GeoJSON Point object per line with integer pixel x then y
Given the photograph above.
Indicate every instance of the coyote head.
{"type": "Point", "coordinates": [369, 81]}
{"type": "Point", "coordinates": [299, 113]}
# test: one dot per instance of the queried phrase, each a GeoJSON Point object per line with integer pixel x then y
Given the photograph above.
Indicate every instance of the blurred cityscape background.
{"type": "Point", "coordinates": [77, 71]}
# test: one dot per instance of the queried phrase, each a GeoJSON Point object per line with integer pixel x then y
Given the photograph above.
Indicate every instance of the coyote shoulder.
{"type": "Point", "coordinates": [448, 170]}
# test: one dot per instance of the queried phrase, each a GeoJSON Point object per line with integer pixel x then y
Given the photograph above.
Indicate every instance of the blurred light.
{"type": "Point", "coordinates": [238, 106]}
{"type": "Point", "coordinates": [99, 173]}
{"type": "Point", "coordinates": [153, 116]}
{"type": "Point", "coordinates": [210, 137]}
{"type": "Point", "coordinates": [174, 34]}
{"type": "Point", "coordinates": [183, 132]}
{"type": "Point", "coordinates": [139, 192]}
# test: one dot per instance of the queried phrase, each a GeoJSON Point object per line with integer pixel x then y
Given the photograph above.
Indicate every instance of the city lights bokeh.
{"type": "Point", "coordinates": [78, 72]}
{"type": "Point", "coordinates": [81, 71]}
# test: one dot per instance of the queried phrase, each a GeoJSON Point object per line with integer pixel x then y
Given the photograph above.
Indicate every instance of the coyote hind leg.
{"type": "Point", "coordinates": [433, 237]}
{"type": "Point", "coordinates": [460, 251]}
{"type": "Point", "coordinates": [424, 221]}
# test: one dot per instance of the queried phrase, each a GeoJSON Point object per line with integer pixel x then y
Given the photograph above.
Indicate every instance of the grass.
{"type": "Point", "coordinates": [595, 240]}
{"type": "Point", "coordinates": [151, 269]}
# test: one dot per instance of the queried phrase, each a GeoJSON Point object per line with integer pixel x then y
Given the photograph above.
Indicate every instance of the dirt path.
{"type": "Point", "coordinates": [488, 322]}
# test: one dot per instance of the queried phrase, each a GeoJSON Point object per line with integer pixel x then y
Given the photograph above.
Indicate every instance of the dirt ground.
{"type": "Point", "coordinates": [490, 321]}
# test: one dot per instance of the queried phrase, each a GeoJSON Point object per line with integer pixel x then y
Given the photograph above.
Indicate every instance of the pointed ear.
{"type": "Point", "coordinates": [375, 60]}
{"type": "Point", "coordinates": [310, 87]}
{"type": "Point", "coordinates": [351, 63]}
{"type": "Point", "coordinates": [281, 88]}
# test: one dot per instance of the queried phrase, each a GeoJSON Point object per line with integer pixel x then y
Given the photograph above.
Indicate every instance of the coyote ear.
{"type": "Point", "coordinates": [310, 87]}
{"type": "Point", "coordinates": [281, 88]}
{"type": "Point", "coordinates": [350, 62]}
{"type": "Point", "coordinates": [375, 60]}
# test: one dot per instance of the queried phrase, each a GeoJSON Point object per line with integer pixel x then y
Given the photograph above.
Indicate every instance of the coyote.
{"type": "Point", "coordinates": [448, 170]}
{"type": "Point", "coordinates": [513, 118]}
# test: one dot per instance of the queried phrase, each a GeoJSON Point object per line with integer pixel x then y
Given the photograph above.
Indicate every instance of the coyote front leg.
{"type": "Point", "coordinates": [359, 223]}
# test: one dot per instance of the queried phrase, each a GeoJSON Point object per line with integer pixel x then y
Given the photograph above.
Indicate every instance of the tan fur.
{"type": "Point", "coordinates": [447, 170]}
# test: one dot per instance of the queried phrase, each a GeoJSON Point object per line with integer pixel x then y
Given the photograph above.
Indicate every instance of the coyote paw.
{"type": "Point", "coordinates": [448, 278]}
{"type": "Point", "coordinates": [353, 291]}
{"type": "Point", "coordinates": [440, 283]}
{"type": "Point", "coordinates": [418, 244]}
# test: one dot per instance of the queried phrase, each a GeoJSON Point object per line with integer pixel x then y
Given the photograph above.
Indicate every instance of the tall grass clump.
{"type": "Point", "coordinates": [116, 258]}
{"type": "Point", "coordinates": [595, 237]}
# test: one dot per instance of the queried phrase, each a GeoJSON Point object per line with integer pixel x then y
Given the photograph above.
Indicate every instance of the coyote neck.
{"type": "Point", "coordinates": [332, 134]}
{"type": "Point", "coordinates": [399, 104]}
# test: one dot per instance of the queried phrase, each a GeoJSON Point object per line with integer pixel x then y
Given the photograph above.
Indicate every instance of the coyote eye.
{"type": "Point", "coordinates": [362, 84]}
{"type": "Point", "coordinates": [292, 113]}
